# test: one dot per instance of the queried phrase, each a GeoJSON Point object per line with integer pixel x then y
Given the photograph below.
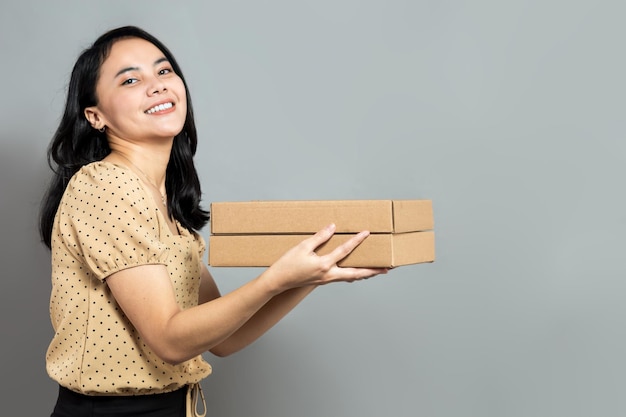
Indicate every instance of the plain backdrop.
{"type": "Point", "coordinates": [509, 115]}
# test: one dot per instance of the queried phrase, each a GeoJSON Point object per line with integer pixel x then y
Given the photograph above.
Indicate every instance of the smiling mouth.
{"type": "Point", "coordinates": [159, 107]}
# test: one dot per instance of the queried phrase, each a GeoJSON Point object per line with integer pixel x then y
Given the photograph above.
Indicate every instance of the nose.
{"type": "Point", "coordinates": [156, 87]}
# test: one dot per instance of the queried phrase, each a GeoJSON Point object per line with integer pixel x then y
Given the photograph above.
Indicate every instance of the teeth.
{"type": "Point", "coordinates": [160, 107]}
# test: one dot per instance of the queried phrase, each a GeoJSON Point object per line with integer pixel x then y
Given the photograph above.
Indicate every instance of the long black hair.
{"type": "Point", "coordinates": [76, 143]}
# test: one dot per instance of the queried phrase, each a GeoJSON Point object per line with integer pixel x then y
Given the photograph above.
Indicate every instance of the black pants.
{"type": "Point", "coordinates": [72, 404]}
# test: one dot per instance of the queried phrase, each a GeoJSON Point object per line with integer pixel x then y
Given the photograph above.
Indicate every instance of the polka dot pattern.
{"type": "Point", "coordinates": [107, 222]}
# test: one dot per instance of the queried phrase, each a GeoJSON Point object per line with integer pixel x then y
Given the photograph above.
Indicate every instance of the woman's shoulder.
{"type": "Point", "coordinates": [106, 178]}
{"type": "Point", "coordinates": [105, 173]}
{"type": "Point", "coordinates": [102, 168]}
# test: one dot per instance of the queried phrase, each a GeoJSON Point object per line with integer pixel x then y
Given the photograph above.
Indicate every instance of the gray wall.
{"type": "Point", "coordinates": [509, 115]}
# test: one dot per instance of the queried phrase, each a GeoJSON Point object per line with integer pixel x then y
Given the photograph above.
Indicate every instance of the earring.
{"type": "Point", "coordinates": [102, 129]}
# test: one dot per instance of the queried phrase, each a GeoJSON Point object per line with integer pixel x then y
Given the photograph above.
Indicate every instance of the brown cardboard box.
{"type": "Point", "coordinates": [385, 250]}
{"type": "Point", "coordinates": [257, 233]}
{"type": "Point", "coordinates": [307, 217]}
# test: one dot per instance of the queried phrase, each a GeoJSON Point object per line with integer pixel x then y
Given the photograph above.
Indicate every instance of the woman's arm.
{"type": "Point", "coordinates": [263, 320]}
{"type": "Point", "coordinates": [230, 322]}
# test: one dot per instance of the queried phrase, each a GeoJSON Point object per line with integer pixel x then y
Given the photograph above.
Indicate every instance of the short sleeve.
{"type": "Point", "coordinates": [108, 221]}
{"type": "Point", "coordinates": [201, 245]}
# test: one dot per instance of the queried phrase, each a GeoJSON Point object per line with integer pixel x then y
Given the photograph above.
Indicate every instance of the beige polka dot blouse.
{"type": "Point", "coordinates": [107, 222]}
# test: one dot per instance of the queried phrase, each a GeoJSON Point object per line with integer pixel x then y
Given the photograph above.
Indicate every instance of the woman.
{"type": "Point", "coordinates": [132, 304]}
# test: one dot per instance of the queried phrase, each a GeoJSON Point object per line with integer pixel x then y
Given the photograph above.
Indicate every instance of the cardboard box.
{"type": "Point", "coordinates": [257, 233]}
{"type": "Point", "coordinates": [307, 217]}
{"type": "Point", "coordinates": [377, 250]}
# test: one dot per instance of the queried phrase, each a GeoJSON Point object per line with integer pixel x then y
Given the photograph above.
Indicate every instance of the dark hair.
{"type": "Point", "coordinates": [76, 143]}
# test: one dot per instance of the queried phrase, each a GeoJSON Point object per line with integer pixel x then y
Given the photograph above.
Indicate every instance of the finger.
{"type": "Point", "coordinates": [345, 248]}
{"type": "Point", "coordinates": [357, 274]}
{"type": "Point", "coordinates": [320, 237]}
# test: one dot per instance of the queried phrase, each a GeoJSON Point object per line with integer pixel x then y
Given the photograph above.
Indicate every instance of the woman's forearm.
{"type": "Point", "coordinates": [263, 320]}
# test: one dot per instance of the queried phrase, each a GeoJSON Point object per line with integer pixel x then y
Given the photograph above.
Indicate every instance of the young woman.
{"type": "Point", "coordinates": [132, 304]}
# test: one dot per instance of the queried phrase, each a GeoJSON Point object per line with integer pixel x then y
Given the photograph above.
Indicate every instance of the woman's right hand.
{"type": "Point", "coordinates": [301, 266]}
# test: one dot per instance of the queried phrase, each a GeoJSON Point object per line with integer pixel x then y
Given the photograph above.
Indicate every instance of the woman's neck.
{"type": "Point", "coordinates": [149, 164]}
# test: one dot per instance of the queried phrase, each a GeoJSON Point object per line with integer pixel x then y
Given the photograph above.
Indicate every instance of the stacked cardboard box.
{"type": "Point", "coordinates": [257, 233]}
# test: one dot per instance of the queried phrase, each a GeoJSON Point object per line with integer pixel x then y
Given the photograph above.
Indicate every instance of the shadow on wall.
{"type": "Point", "coordinates": [25, 283]}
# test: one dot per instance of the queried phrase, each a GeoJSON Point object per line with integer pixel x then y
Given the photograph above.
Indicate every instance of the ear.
{"type": "Point", "coordinates": [93, 117]}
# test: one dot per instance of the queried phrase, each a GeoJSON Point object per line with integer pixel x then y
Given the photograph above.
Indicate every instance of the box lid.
{"type": "Point", "coordinates": [309, 216]}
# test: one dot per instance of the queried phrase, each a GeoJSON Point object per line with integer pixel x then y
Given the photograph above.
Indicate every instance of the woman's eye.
{"type": "Point", "coordinates": [164, 71]}
{"type": "Point", "coordinates": [129, 81]}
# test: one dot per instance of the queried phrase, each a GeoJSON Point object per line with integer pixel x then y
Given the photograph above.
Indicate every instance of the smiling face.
{"type": "Point", "coordinates": [140, 97]}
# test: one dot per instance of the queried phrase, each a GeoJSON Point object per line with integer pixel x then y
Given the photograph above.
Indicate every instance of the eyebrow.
{"type": "Point", "coordinates": [123, 70]}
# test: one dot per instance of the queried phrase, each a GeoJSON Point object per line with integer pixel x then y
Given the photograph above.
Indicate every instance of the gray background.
{"type": "Point", "coordinates": [509, 115]}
